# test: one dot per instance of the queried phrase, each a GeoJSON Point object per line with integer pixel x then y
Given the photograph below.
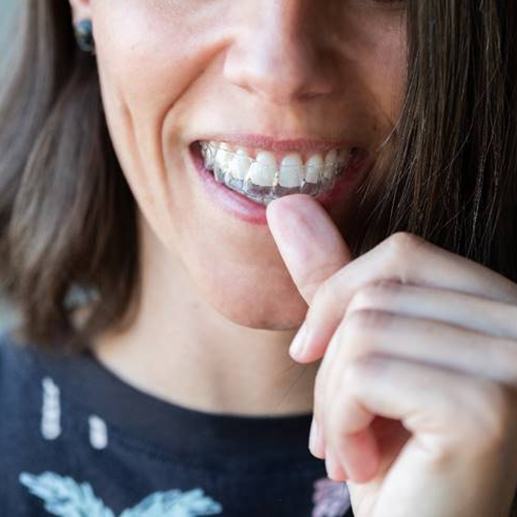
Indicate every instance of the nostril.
{"type": "Point", "coordinates": [282, 73]}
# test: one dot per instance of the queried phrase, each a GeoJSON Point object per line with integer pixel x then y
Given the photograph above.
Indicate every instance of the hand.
{"type": "Point", "coordinates": [415, 399]}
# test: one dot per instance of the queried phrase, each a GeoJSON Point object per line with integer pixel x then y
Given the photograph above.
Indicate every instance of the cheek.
{"type": "Point", "coordinates": [377, 64]}
{"type": "Point", "coordinates": [387, 72]}
{"type": "Point", "coordinates": [148, 58]}
{"type": "Point", "coordinates": [146, 61]}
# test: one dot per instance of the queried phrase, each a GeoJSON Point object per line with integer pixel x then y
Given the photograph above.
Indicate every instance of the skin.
{"type": "Point", "coordinates": [171, 71]}
{"type": "Point", "coordinates": [401, 341]}
{"type": "Point", "coordinates": [417, 390]}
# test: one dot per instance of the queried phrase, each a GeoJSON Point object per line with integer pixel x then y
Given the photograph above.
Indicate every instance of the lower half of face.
{"type": "Point", "coordinates": [215, 109]}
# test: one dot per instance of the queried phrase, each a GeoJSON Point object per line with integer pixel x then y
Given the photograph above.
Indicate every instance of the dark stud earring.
{"type": "Point", "coordinates": [84, 36]}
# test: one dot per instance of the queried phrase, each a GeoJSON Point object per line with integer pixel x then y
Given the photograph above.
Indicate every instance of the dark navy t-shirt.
{"type": "Point", "coordinates": [76, 440]}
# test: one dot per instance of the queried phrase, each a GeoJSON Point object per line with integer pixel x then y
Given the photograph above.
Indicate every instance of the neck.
{"type": "Point", "coordinates": [180, 349]}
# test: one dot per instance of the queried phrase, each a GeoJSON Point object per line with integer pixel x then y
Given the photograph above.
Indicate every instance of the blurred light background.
{"type": "Point", "coordinates": [6, 17]}
{"type": "Point", "coordinates": [6, 11]}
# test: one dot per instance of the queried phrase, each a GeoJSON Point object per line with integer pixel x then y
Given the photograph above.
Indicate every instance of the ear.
{"type": "Point", "coordinates": [81, 9]}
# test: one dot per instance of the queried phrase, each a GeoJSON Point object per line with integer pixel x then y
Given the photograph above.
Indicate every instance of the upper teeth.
{"type": "Point", "coordinates": [265, 171]}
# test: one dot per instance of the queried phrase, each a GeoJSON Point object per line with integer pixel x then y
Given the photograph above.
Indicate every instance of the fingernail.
{"type": "Point", "coordinates": [331, 466]}
{"type": "Point", "coordinates": [313, 435]}
{"type": "Point", "coordinates": [297, 346]}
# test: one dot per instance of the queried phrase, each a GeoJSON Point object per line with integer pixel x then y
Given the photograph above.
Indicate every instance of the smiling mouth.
{"type": "Point", "coordinates": [263, 176]}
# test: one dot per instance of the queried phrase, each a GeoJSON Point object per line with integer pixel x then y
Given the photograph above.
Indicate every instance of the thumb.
{"type": "Point", "coordinates": [308, 241]}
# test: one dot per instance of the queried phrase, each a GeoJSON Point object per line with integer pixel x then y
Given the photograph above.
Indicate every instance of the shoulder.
{"type": "Point", "coordinates": [18, 363]}
{"type": "Point", "coordinates": [15, 356]}
{"type": "Point", "coordinates": [27, 369]}
{"type": "Point", "coordinates": [22, 361]}
{"type": "Point", "coordinates": [24, 367]}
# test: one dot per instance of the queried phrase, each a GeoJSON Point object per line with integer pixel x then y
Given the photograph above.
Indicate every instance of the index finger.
{"type": "Point", "coordinates": [404, 258]}
{"type": "Point", "coordinates": [309, 242]}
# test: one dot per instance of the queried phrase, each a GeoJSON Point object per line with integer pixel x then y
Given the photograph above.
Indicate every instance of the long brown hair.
{"type": "Point", "coordinates": [68, 218]}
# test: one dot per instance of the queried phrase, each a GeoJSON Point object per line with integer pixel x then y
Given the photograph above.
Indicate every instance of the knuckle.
{"type": "Point", "coordinates": [365, 321]}
{"type": "Point", "coordinates": [404, 240]}
{"type": "Point", "coordinates": [365, 297]}
{"type": "Point", "coordinates": [358, 372]}
{"type": "Point", "coordinates": [441, 453]}
{"type": "Point", "coordinates": [352, 374]}
{"type": "Point", "coordinates": [401, 245]}
{"type": "Point", "coordinates": [325, 293]}
{"type": "Point", "coordinates": [374, 294]}
{"type": "Point", "coordinates": [388, 286]}
{"type": "Point", "coordinates": [362, 330]}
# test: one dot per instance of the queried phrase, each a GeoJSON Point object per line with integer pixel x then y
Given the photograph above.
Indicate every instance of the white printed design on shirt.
{"type": "Point", "coordinates": [64, 497]}
{"type": "Point", "coordinates": [330, 498]}
{"type": "Point", "coordinates": [50, 410]}
{"type": "Point", "coordinates": [98, 432]}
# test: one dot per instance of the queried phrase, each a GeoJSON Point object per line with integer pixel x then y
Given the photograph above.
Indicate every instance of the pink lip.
{"type": "Point", "coordinates": [267, 143]}
{"type": "Point", "coordinates": [255, 213]}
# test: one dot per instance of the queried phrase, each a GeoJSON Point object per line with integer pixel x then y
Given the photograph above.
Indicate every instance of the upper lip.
{"type": "Point", "coordinates": [268, 143]}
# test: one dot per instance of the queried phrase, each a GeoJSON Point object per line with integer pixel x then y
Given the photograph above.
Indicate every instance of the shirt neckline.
{"type": "Point", "coordinates": [174, 428]}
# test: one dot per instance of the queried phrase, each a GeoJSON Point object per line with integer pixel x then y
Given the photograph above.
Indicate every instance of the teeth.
{"type": "Point", "coordinates": [330, 163]}
{"type": "Point", "coordinates": [343, 156]}
{"type": "Point", "coordinates": [208, 152]}
{"type": "Point", "coordinates": [262, 172]}
{"type": "Point", "coordinates": [291, 171]}
{"type": "Point", "coordinates": [263, 179]}
{"type": "Point", "coordinates": [240, 164]}
{"type": "Point", "coordinates": [223, 156]}
{"type": "Point", "coordinates": [314, 169]}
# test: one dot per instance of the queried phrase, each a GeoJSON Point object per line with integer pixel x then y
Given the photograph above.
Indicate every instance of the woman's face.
{"type": "Point", "coordinates": [277, 79]}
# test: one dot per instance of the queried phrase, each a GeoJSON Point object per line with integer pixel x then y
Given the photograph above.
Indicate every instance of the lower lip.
{"type": "Point", "coordinates": [248, 210]}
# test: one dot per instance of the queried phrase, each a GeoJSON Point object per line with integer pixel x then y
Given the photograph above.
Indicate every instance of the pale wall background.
{"type": "Point", "coordinates": [6, 19]}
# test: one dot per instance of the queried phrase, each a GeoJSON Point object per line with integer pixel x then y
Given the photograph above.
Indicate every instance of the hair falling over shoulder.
{"type": "Point", "coordinates": [67, 216]}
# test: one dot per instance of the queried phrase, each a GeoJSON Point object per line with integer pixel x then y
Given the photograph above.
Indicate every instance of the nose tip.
{"type": "Point", "coordinates": [276, 77]}
{"type": "Point", "coordinates": [280, 61]}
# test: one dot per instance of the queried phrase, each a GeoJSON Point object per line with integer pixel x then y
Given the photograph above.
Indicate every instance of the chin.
{"type": "Point", "coordinates": [269, 307]}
